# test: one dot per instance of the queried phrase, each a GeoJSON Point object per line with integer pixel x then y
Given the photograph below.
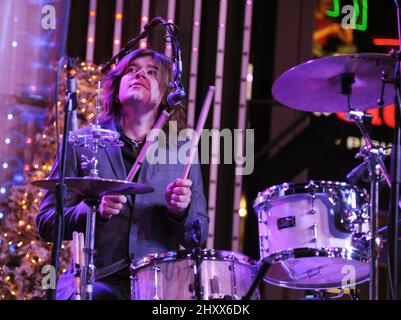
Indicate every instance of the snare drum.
{"type": "Point", "coordinates": [317, 233]}
{"type": "Point", "coordinates": [171, 276]}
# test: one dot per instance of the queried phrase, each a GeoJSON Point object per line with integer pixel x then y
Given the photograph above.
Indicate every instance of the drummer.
{"type": "Point", "coordinates": [130, 227]}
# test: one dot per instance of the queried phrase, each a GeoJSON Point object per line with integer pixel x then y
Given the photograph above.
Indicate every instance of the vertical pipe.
{"type": "Point", "coordinates": [219, 75]}
{"type": "Point", "coordinates": [193, 77]}
{"type": "Point", "coordinates": [246, 43]}
{"type": "Point", "coordinates": [170, 18]}
{"type": "Point", "coordinates": [144, 20]}
{"type": "Point", "coordinates": [90, 42]}
{"type": "Point", "coordinates": [118, 26]}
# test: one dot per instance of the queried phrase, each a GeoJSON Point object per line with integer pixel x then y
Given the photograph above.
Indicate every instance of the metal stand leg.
{"type": "Point", "coordinates": [88, 272]}
{"type": "Point", "coordinates": [374, 161]}
{"type": "Point", "coordinates": [374, 219]}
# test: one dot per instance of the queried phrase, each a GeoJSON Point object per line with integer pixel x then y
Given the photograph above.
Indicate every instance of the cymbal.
{"type": "Point", "coordinates": [90, 187]}
{"type": "Point", "coordinates": [316, 85]}
{"type": "Point", "coordinates": [95, 135]}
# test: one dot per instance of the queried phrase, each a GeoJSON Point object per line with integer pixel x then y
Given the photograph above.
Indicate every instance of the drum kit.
{"type": "Point", "coordinates": [309, 233]}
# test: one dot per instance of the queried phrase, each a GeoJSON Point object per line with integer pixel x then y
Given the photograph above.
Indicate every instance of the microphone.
{"type": "Point", "coordinates": [178, 94]}
{"type": "Point", "coordinates": [72, 96]}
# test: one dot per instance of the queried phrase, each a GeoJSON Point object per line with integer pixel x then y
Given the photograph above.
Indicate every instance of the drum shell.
{"type": "Point", "coordinates": [224, 275]}
{"type": "Point", "coordinates": [302, 224]}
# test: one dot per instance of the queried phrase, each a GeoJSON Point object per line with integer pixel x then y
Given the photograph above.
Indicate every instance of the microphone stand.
{"type": "Point", "coordinates": [61, 192]}
{"type": "Point", "coordinates": [130, 44]}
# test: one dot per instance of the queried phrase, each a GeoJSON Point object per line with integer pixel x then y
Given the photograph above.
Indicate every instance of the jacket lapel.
{"type": "Point", "coordinates": [115, 158]}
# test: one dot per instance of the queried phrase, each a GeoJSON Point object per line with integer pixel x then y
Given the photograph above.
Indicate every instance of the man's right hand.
{"type": "Point", "coordinates": [111, 205]}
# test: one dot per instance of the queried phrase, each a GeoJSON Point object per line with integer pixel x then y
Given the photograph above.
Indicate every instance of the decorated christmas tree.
{"type": "Point", "coordinates": [22, 252]}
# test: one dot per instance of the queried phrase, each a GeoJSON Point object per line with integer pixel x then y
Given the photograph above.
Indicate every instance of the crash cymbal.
{"type": "Point", "coordinates": [95, 135]}
{"type": "Point", "coordinates": [317, 85]}
{"type": "Point", "coordinates": [90, 187]}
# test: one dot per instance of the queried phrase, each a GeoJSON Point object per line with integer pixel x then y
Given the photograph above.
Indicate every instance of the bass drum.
{"type": "Point", "coordinates": [171, 276]}
{"type": "Point", "coordinates": [316, 233]}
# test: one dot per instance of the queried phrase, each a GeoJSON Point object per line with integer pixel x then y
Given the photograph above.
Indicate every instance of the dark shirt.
{"type": "Point", "coordinates": [130, 151]}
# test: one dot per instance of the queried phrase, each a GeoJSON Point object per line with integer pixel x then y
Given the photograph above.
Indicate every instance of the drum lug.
{"type": "Point", "coordinates": [312, 197]}
{"type": "Point", "coordinates": [315, 233]}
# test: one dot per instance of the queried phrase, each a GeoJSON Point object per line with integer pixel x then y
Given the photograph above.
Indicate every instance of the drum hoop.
{"type": "Point", "coordinates": [286, 189]}
{"type": "Point", "coordinates": [206, 254]}
{"type": "Point", "coordinates": [354, 255]}
{"type": "Point", "coordinates": [331, 252]}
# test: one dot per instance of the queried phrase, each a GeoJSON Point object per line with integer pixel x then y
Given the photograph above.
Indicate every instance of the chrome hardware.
{"type": "Point", "coordinates": [312, 198]}
{"type": "Point", "coordinates": [156, 270]}
{"type": "Point", "coordinates": [233, 280]}
{"type": "Point", "coordinates": [315, 235]}
{"type": "Point", "coordinates": [361, 241]}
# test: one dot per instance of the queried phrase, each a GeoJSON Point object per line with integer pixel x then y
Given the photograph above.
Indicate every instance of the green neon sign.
{"type": "Point", "coordinates": [363, 25]}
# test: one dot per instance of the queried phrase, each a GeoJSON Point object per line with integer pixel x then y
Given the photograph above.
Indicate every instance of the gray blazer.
{"type": "Point", "coordinates": [143, 226]}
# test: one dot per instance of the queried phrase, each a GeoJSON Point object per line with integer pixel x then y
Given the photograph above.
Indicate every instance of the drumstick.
{"type": "Point", "coordinates": [81, 249]}
{"type": "Point", "coordinates": [76, 264]}
{"type": "Point", "coordinates": [199, 127]}
{"type": "Point", "coordinates": [152, 136]}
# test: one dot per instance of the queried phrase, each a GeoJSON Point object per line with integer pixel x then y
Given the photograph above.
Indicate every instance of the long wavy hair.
{"type": "Point", "coordinates": [112, 107]}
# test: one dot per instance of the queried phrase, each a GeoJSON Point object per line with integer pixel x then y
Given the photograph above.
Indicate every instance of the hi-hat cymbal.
{"type": "Point", "coordinates": [316, 85]}
{"type": "Point", "coordinates": [90, 187]}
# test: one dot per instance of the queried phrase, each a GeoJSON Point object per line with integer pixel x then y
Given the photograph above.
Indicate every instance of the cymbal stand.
{"type": "Point", "coordinates": [92, 141]}
{"type": "Point", "coordinates": [89, 269]}
{"type": "Point", "coordinates": [373, 162]}
{"type": "Point", "coordinates": [196, 238]}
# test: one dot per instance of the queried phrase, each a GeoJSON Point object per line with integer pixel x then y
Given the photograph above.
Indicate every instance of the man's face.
{"type": "Point", "coordinates": [140, 84]}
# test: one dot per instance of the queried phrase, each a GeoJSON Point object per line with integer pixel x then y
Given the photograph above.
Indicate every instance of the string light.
{"type": "Point", "coordinates": [2, 190]}
{"type": "Point", "coordinates": [7, 140]}
{"type": "Point", "coordinates": [242, 205]}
